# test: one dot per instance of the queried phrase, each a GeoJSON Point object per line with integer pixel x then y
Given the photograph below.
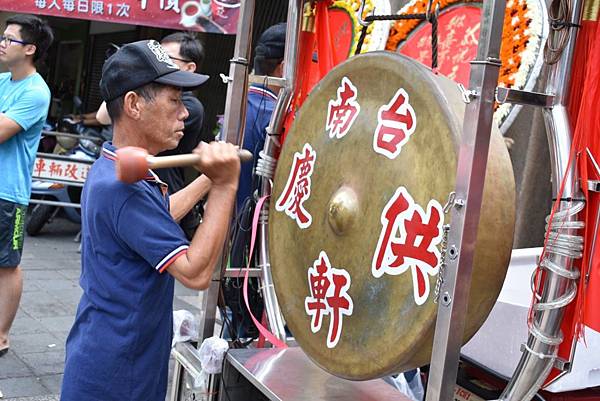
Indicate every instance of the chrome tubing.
{"type": "Point", "coordinates": [540, 352]}
{"type": "Point", "coordinates": [564, 244]}
{"type": "Point", "coordinates": [267, 162]}
{"type": "Point", "coordinates": [465, 210]}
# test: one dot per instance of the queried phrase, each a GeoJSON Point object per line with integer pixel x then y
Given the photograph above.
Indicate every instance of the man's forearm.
{"type": "Point", "coordinates": [8, 128]}
{"type": "Point", "coordinates": [185, 199]}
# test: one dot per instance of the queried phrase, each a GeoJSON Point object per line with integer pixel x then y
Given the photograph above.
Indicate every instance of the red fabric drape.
{"type": "Point", "coordinates": [587, 135]}
{"type": "Point", "coordinates": [317, 54]}
{"type": "Point", "coordinates": [583, 113]}
{"type": "Point", "coordinates": [585, 124]}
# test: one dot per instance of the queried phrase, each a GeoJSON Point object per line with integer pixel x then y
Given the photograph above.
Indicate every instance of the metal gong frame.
{"type": "Point", "coordinates": [470, 174]}
{"type": "Point", "coordinates": [471, 167]}
{"type": "Point", "coordinates": [472, 161]}
{"type": "Point", "coordinates": [186, 356]}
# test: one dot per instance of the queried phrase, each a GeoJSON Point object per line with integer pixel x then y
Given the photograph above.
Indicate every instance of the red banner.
{"type": "Point", "coordinates": [458, 34]}
{"type": "Point", "coordinates": [217, 16]}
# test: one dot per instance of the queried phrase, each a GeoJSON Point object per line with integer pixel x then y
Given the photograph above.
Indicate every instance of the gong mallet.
{"type": "Point", "coordinates": [133, 163]}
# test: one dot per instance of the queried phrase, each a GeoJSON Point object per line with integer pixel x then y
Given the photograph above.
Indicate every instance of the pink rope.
{"type": "Point", "coordinates": [277, 343]}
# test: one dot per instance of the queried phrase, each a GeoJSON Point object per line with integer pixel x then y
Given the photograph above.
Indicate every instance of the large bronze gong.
{"type": "Point", "coordinates": [356, 216]}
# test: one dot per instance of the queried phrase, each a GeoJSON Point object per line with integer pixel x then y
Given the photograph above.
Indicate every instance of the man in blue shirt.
{"type": "Point", "coordinates": [132, 248]}
{"type": "Point", "coordinates": [268, 61]}
{"type": "Point", "coordinates": [24, 101]}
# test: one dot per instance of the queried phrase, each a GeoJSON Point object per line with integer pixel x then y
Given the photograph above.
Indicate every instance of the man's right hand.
{"type": "Point", "coordinates": [220, 162]}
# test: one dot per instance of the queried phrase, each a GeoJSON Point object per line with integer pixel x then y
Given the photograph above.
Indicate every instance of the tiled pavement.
{"type": "Point", "coordinates": [32, 369]}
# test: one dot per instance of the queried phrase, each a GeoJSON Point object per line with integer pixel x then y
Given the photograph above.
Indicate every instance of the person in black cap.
{"type": "Point", "coordinates": [187, 52]}
{"type": "Point", "coordinates": [132, 247]}
{"type": "Point", "coordinates": [268, 61]}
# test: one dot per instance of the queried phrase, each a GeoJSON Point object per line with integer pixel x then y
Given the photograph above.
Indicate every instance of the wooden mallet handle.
{"type": "Point", "coordinates": [133, 162]}
{"type": "Point", "coordinates": [188, 159]}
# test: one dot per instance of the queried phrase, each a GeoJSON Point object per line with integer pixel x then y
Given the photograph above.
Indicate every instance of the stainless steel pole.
{"type": "Point", "coordinates": [564, 243]}
{"type": "Point", "coordinates": [233, 131]}
{"type": "Point", "coordinates": [267, 164]}
{"type": "Point", "coordinates": [470, 174]}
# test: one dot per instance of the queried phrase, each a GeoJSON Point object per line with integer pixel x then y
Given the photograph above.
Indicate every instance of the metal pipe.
{"type": "Point", "coordinates": [470, 176]}
{"type": "Point", "coordinates": [564, 245]}
{"type": "Point", "coordinates": [237, 89]}
{"type": "Point", "coordinates": [233, 131]}
{"type": "Point", "coordinates": [74, 136]}
{"type": "Point", "coordinates": [60, 182]}
{"type": "Point", "coordinates": [54, 203]}
{"type": "Point", "coordinates": [54, 156]}
{"type": "Point", "coordinates": [267, 162]}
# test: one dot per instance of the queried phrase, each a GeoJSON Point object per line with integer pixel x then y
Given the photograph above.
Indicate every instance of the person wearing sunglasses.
{"type": "Point", "coordinates": [24, 102]}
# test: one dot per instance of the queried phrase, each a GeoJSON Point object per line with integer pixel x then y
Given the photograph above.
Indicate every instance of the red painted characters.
{"type": "Point", "coordinates": [297, 188]}
{"type": "Point", "coordinates": [409, 239]}
{"type": "Point", "coordinates": [396, 122]}
{"type": "Point", "coordinates": [342, 112]}
{"type": "Point", "coordinates": [328, 296]}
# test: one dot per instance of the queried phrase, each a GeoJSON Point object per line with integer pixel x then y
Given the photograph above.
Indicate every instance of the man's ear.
{"type": "Point", "coordinates": [133, 105]}
{"type": "Point", "coordinates": [30, 50]}
{"type": "Point", "coordinates": [191, 67]}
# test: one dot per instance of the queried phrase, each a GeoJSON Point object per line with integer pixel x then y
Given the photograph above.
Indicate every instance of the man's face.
{"type": "Point", "coordinates": [162, 119]}
{"type": "Point", "coordinates": [173, 50]}
{"type": "Point", "coordinates": [12, 52]}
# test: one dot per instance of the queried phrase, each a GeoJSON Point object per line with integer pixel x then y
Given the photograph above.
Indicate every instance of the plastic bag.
{"type": "Point", "coordinates": [185, 327]}
{"type": "Point", "coordinates": [413, 389]}
{"type": "Point", "coordinates": [212, 353]}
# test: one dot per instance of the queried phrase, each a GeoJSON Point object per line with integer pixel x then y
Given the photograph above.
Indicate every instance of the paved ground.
{"type": "Point", "coordinates": [32, 370]}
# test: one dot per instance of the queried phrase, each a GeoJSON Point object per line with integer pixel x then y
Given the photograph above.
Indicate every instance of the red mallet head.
{"type": "Point", "coordinates": [132, 164]}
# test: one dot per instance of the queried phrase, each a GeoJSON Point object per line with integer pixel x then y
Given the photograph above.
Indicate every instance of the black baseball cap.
{"type": "Point", "coordinates": [271, 44]}
{"type": "Point", "coordinates": [139, 63]}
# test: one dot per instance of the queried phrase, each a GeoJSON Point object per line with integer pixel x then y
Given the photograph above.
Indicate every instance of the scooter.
{"type": "Point", "coordinates": [88, 147]}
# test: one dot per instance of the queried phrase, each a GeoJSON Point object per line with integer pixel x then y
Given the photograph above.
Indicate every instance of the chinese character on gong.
{"type": "Point", "coordinates": [328, 296]}
{"type": "Point", "coordinates": [297, 188]}
{"type": "Point", "coordinates": [342, 112]}
{"type": "Point", "coordinates": [409, 239]}
{"type": "Point", "coordinates": [396, 122]}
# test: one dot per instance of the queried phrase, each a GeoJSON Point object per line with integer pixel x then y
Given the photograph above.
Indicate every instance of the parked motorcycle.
{"type": "Point", "coordinates": [44, 213]}
{"type": "Point", "coordinates": [87, 147]}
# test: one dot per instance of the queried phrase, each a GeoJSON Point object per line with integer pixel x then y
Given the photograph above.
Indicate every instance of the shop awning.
{"type": "Point", "coordinates": [217, 16]}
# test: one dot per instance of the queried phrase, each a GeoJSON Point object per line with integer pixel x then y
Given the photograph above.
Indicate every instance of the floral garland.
{"type": "Point", "coordinates": [402, 28]}
{"type": "Point", "coordinates": [377, 32]}
{"type": "Point", "coordinates": [522, 40]}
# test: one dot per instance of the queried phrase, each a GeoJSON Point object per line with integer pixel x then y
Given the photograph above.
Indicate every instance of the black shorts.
{"type": "Point", "coordinates": [12, 232]}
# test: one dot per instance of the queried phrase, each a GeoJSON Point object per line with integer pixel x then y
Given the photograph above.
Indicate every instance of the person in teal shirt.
{"type": "Point", "coordinates": [24, 102]}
